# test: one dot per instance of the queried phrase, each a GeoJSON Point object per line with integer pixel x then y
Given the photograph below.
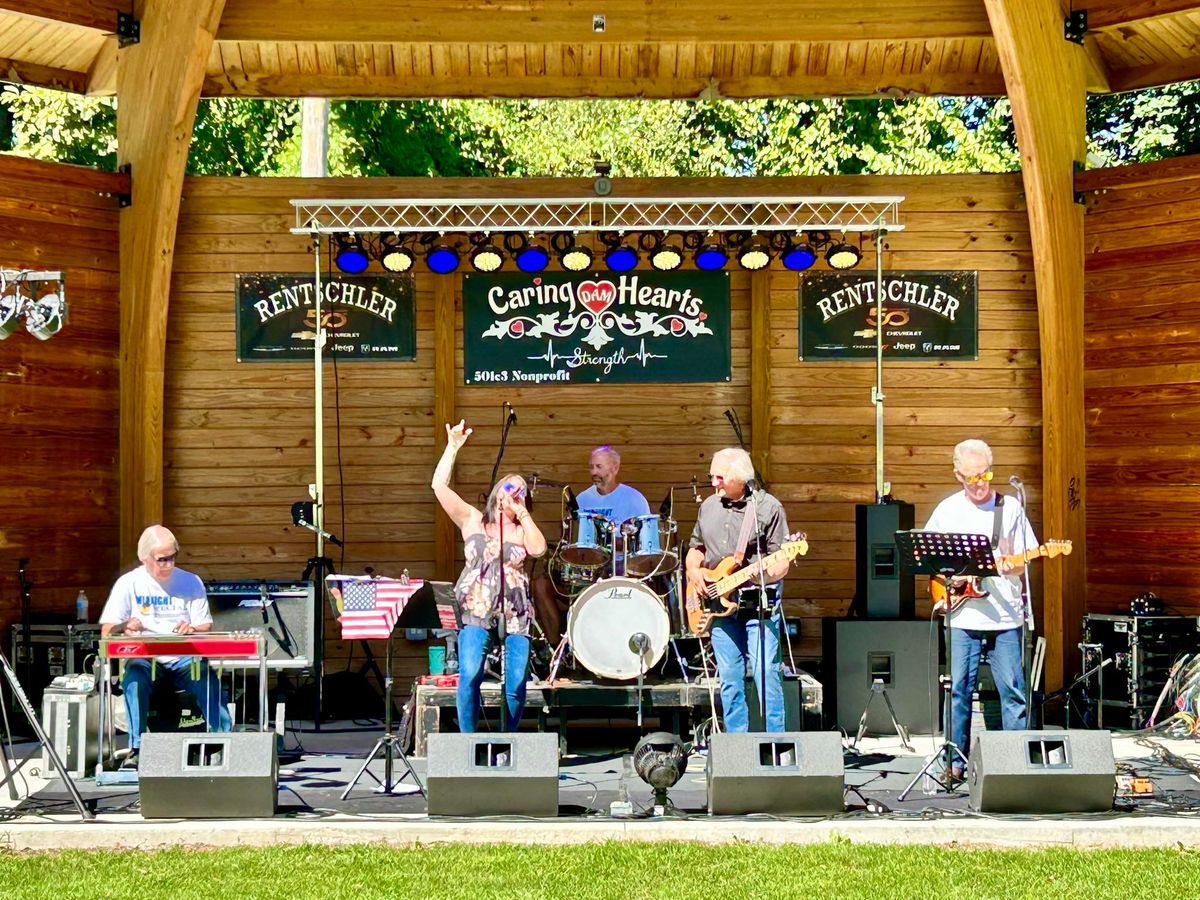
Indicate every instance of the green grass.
{"type": "Point", "coordinates": [616, 869]}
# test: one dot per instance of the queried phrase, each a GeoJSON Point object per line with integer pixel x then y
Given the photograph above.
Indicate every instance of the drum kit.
{"type": "Point", "coordinates": [622, 581]}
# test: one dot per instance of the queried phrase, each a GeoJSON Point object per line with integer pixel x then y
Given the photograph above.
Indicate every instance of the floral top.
{"type": "Point", "coordinates": [478, 587]}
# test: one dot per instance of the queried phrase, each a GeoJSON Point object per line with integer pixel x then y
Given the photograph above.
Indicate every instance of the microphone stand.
{"type": "Point", "coordinates": [762, 607]}
{"type": "Point", "coordinates": [510, 417]}
{"type": "Point", "coordinates": [1027, 623]}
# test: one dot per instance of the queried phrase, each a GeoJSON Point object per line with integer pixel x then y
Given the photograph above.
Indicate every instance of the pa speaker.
{"type": "Point", "coordinates": [1042, 772]}
{"type": "Point", "coordinates": [492, 774]}
{"type": "Point", "coordinates": [883, 589]}
{"type": "Point", "coordinates": [903, 656]}
{"type": "Point", "coordinates": [787, 773]}
{"type": "Point", "coordinates": [208, 776]}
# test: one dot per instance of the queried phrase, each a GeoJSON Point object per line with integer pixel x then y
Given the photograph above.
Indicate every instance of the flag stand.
{"type": "Point", "coordinates": [391, 743]}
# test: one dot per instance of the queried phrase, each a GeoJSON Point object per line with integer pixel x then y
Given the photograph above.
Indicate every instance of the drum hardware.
{"type": "Point", "coordinates": [535, 481]}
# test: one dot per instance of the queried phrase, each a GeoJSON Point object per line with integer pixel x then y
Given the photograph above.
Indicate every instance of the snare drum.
{"type": "Point", "coordinates": [649, 546]}
{"type": "Point", "coordinates": [605, 618]}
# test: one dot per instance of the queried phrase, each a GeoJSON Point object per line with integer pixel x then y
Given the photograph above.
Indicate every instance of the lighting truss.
{"type": "Point", "coordinates": [678, 214]}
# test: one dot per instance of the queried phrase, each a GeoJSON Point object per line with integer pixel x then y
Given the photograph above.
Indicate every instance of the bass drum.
{"type": "Point", "coordinates": [604, 620]}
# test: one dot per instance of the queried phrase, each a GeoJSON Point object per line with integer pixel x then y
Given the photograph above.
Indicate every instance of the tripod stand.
{"type": "Point", "coordinates": [419, 611]}
{"type": "Point", "coordinates": [947, 555]}
{"type": "Point", "coordinates": [879, 688]}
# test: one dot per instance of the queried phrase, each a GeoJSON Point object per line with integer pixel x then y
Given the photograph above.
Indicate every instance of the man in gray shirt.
{"type": "Point", "coordinates": [722, 531]}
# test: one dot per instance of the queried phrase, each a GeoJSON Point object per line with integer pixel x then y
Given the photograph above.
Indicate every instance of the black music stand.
{"type": "Point", "coordinates": [419, 612]}
{"type": "Point", "coordinates": [936, 553]}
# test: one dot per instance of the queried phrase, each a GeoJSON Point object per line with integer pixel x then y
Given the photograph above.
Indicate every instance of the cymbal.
{"type": "Point", "coordinates": [536, 479]}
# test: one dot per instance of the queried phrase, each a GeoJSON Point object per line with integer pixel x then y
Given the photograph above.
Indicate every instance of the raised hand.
{"type": "Point", "coordinates": [457, 436]}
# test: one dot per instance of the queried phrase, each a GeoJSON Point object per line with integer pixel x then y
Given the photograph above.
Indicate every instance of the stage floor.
{"type": "Point", "coordinates": [310, 808]}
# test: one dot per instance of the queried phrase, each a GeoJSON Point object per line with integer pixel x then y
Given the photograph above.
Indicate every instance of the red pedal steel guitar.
{"type": "Point", "coordinates": [721, 581]}
{"type": "Point", "coordinates": [968, 587]}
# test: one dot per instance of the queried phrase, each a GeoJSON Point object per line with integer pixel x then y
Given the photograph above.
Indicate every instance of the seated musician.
{"type": "Point", "coordinates": [723, 529]}
{"type": "Point", "coordinates": [158, 598]}
{"type": "Point", "coordinates": [607, 497]}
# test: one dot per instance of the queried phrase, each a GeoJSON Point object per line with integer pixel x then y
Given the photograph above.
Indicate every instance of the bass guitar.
{"type": "Point", "coordinates": [712, 601]}
{"type": "Point", "coordinates": [968, 587]}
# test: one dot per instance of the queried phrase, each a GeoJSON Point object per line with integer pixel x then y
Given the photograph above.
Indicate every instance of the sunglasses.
{"type": "Point", "coordinates": [165, 560]}
{"type": "Point", "coordinates": [510, 488]}
{"type": "Point", "coordinates": [976, 479]}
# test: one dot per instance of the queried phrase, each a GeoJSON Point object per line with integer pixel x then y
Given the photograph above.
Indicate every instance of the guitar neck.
{"type": "Point", "coordinates": [740, 577]}
{"type": "Point", "coordinates": [1023, 557]}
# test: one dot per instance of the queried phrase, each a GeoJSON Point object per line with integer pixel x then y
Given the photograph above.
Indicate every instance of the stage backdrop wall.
{"type": "Point", "coordinates": [59, 497]}
{"type": "Point", "coordinates": [239, 437]}
{"type": "Point", "coordinates": [1142, 340]}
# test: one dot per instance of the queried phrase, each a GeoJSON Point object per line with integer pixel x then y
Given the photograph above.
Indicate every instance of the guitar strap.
{"type": "Point", "coordinates": [749, 521]}
{"type": "Point", "coordinates": [999, 516]}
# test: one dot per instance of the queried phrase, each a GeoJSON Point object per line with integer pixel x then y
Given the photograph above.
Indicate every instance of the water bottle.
{"type": "Point", "coordinates": [81, 607]}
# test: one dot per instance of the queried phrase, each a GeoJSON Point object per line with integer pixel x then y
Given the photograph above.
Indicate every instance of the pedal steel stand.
{"type": "Point", "coordinates": [947, 555]}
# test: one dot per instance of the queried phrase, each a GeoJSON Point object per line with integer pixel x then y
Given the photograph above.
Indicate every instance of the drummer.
{"type": "Point", "coordinates": [606, 497]}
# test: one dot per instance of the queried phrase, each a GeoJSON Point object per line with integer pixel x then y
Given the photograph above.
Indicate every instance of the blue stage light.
{"type": "Point", "coordinates": [442, 259]}
{"type": "Point", "coordinates": [799, 257]}
{"type": "Point", "coordinates": [621, 258]}
{"type": "Point", "coordinates": [711, 257]}
{"type": "Point", "coordinates": [351, 257]}
{"type": "Point", "coordinates": [533, 258]}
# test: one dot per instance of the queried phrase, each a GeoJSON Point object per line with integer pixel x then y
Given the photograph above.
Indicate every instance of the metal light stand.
{"type": "Point", "coordinates": [948, 555]}
{"type": "Point", "coordinates": [881, 488]}
{"type": "Point", "coordinates": [317, 488]}
{"type": "Point", "coordinates": [879, 688]}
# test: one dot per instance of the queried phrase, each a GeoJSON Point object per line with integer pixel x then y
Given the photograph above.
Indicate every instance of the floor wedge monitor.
{"type": "Point", "coordinates": [493, 775]}
{"type": "Point", "coordinates": [786, 773]}
{"type": "Point", "coordinates": [231, 775]}
{"type": "Point", "coordinates": [1042, 772]}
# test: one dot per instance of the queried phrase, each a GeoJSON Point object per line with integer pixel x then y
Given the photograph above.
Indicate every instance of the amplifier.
{"type": "Point", "coordinates": [1142, 650]}
{"type": "Point", "coordinates": [53, 650]}
{"type": "Point", "coordinates": [284, 610]}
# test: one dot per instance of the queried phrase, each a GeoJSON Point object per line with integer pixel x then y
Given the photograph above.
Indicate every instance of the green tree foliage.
{"type": "Point", "coordinates": [1142, 126]}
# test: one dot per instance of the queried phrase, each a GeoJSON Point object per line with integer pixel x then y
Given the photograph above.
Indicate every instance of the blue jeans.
{"type": "Point", "coordinates": [473, 642]}
{"type": "Point", "coordinates": [735, 643]}
{"type": "Point", "coordinates": [206, 690]}
{"type": "Point", "coordinates": [1004, 654]}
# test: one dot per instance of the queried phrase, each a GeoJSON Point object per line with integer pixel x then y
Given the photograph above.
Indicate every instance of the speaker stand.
{"type": "Point", "coordinates": [390, 744]}
{"type": "Point", "coordinates": [877, 688]}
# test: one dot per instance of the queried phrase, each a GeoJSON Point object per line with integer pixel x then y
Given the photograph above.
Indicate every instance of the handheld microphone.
{"type": "Point", "coordinates": [302, 514]}
{"type": "Point", "coordinates": [512, 413]}
{"type": "Point", "coordinates": [696, 490]}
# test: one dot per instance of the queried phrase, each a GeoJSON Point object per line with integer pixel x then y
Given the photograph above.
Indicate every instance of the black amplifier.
{"type": "Point", "coordinates": [1142, 650]}
{"type": "Point", "coordinates": [283, 610]}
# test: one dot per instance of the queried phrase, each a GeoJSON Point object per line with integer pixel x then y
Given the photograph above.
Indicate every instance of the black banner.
{"type": "Point", "coordinates": [926, 315]}
{"type": "Point", "coordinates": [567, 328]}
{"type": "Point", "coordinates": [367, 317]}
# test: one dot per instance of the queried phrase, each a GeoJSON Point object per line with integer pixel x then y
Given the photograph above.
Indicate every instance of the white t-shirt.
{"type": "Point", "coordinates": [1001, 608]}
{"type": "Point", "coordinates": [623, 502]}
{"type": "Point", "coordinates": [137, 595]}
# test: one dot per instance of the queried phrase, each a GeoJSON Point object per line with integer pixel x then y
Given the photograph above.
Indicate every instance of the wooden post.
{"type": "Point", "coordinates": [1045, 74]}
{"type": "Point", "coordinates": [760, 371]}
{"type": "Point", "coordinates": [444, 384]}
{"type": "Point", "coordinates": [158, 89]}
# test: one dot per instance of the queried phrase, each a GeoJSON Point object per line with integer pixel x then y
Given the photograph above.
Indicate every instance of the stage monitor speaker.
{"type": "Point", "coordinates": [786, 773]}
{"type": "Point", "coordinates": [1042, 772]}
{"type": "Point", "coordinates": [231, 775]}
{"type": "Point", "coordinates": [492, 774]}
{"type": "Point", "coordinates": [904, 656]}
{"type": "Point", "coordinates": [883, 590]}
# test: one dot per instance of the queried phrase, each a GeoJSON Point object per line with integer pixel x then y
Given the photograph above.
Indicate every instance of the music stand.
{"type": "Point", "coordinates": [936, 553]}
{"type": "Point", "coordinates": [420, 611]}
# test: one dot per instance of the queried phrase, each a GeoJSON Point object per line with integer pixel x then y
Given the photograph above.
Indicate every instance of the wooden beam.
{"type": "Point", "coordinates": [1155, 75]}
{"type": "Point", "coordinates": [760, 371]}
{"type": "Point", "coordinates": [445, 380]}
{"type": "Point", "coordinates": [18, 71]}
{"type": "Point", "coordinates": [541, 21]}
{"type": "Point", "coordinates": [1096, 75]}
{"type": "Point", "coordinates": [1112, 13]}
{"type": "Point", "coordinates": [1045, 76]}
{"type": "Point", "coordinates": [158, 89]}
{"type": "Point", "coordinates": [897, 84]}
{"type": "Point", "coordinates": [102, 75]}
{"type": "Point", "coordinates": [98, 14]}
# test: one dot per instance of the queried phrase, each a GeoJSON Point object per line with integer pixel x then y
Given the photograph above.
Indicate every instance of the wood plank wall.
{"type": "Point", "coordinates": [1142, 386]}
{"type": "Point", "coordinates": [239, 437]}
{"type": "Point", "coordinates": [59, 492]}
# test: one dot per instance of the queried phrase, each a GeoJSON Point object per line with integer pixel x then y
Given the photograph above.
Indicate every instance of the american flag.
{"type": "Point", "coordinates": [370, 607]}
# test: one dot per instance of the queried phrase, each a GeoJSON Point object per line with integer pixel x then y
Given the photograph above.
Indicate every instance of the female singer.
{"type": "Point", "coordinates": [478, 587]}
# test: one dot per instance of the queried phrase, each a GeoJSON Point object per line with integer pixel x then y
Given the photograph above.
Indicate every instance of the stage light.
{"type": "Point", "coordinates": [660, 759]}
{"type": "Point", "coordinates": [394, 256]}
{"type": "Point", "coordinates": [798, 256]}
{"type": "Point", "coordinates": [533, 258]}
{"type": "Point", "coordinates": [710, 257]}
{"type": "Point", "coordinates": [486, 257]}
{"type": "Point", "coordinates": [841, 255]}
{"type": "Point", "coordinates": [572, 256]}
{"type": "Point", "coordinates": [754, 254]}
{"type": "Point", "coordinates": [44, 315]}
{"type": "Point", "coordinates": [621, 258]}
{"type": "Point", "coordinates": [350, 256]}
{"type": "Point", "coordinates": [442, 259]}
{"type": "Point", "coordinates": [666, 254]}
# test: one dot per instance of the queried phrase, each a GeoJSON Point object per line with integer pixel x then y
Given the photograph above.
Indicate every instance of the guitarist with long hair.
{"type": "Point", "coordinates": [987, 615]}
{"type": "Point", "coordinates": [728, 527]}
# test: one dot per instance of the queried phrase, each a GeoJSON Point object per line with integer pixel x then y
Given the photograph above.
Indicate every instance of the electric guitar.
{"type": "Point", "coordinates": [960, 590]}
{"type": "Point", "coordinates": [721, 581]}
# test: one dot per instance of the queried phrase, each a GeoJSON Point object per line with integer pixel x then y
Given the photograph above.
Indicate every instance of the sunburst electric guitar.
{"type": "Point", "coordinates": [968, 587]}
{"type": "Point", "coordinates": [721, 580]}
